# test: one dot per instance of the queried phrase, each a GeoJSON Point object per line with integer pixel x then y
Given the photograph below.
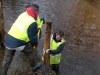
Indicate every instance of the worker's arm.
{"type": "Point", "coordinates": [40, 22]}
{"type": "Point", "coordinates": [58, 50]}
{"type": "Point", "coordinates": [32, 34]}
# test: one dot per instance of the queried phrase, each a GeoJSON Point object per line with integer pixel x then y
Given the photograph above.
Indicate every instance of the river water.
{"type": "Point", "coordinates": [80, 21]}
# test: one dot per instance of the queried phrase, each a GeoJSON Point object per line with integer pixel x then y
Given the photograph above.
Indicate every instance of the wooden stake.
{"type": "Point", "coordinates": [47, 43]}
{"type": "Point", "coordinates": [1, 13]}
{"type": "Point", "coordinates": [2, 31]}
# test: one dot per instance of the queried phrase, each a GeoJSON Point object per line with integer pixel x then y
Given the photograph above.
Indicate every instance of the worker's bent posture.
{"type": "Point", "coordinates": [22, 34]}
{"type": "Point", "coordinates": [56, 46]}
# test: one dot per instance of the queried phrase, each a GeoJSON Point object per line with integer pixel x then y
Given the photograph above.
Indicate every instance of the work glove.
{"type": "Point", "coordinates": [42, 19]}
{"type": "Point", "coordinates": [39, 33]}
{"type": "Point", "coordinates": [48, 51]}
{"type": "Point", "coordinates": [35, 46]}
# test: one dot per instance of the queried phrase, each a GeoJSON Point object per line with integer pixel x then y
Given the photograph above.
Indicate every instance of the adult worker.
{"type": "Point", "coordinates": [22, 35]}
{"type": "Point", "coordinates": [57, 44]}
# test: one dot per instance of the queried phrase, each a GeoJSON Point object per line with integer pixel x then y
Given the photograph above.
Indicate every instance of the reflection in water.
{"type": "Point", "coordinates": [94, 3]}
{"type": "Point", "coordinates": [84, 24]}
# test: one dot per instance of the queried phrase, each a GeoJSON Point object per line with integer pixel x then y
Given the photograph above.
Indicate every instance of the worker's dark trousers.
{"type": "Point", "coordinates": [55, 67]}
{"type": "Point", "coordinates": [9, 56]}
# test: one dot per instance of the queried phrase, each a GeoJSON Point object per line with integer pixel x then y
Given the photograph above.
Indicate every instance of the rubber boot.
{"type": "Point", "coordinates": [37, 66]}
{"type": "Point", "coordinates": [7, 60]}
{"type": "Point", "coordinates": [4, 71]}
{"type": "Point", "coordinates": [55, 67]}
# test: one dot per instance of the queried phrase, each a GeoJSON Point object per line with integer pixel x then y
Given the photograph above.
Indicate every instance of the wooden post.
{"type": "Point", "coordinates": [1, 13]}
{"type": "Point", "coordinates": [2, 31]}
{"type": "Point", "coordinates": [47, 43]}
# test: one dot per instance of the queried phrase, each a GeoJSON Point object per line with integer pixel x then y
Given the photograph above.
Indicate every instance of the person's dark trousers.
{"type": "Point", "coordinates": [9, 56]}
{"type": "Point", "coordinates": [28, 50]}
{"type": "Point", "coordinates": [7, 60]}
{"type": "Point", "coordinates": [55, 67]}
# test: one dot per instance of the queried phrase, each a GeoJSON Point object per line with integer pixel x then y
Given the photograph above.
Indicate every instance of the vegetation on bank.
{"type": "Point", "coordinates": [30, 72]}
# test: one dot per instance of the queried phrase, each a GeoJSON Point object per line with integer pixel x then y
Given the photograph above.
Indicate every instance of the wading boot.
{"type": "Point", "coordinates": [37, 66]}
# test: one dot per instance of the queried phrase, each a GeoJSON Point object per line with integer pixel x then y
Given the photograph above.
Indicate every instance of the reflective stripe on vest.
{"type": "Point", "coordinates": [19, 28]}
{"type": "Point", "coordinates": [22, 28]}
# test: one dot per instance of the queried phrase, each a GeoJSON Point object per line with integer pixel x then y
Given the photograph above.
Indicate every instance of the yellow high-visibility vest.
{"type": "Point", "coordinates": [38, 21]}
{"type": "Point", "coordinates": [20, 26]}
{"type": "Point", "coordinates": [55, 59]}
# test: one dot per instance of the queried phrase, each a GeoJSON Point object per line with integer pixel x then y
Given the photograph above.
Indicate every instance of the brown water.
{"type": "Point", "coordinates": [80, 21]}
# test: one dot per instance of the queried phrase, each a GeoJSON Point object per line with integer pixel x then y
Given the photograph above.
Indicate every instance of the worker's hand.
{"type": "Point", "coordinates": [39, 33]}
{"type": "Point", "coordinates": [34, 47]}
{"type": "Point", "coordinates": [48, 51]}
{"type": "Point", "coordinates": [42, 19]}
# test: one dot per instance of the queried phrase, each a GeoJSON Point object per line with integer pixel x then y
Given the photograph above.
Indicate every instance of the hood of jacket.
{"type": "Point", "coordinates": [31, 12]}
